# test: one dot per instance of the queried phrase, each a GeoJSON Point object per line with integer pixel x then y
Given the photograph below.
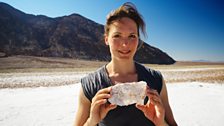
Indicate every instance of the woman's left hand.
{"type": "Point", "coordinates": [153, 109]}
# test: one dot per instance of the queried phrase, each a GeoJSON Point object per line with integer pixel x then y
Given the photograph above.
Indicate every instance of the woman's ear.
{"type": "Point", "coordinates": [106, 40]}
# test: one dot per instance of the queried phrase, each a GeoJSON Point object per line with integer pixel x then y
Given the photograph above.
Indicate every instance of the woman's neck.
{"type": "Point", "coordinates": [121, 68]}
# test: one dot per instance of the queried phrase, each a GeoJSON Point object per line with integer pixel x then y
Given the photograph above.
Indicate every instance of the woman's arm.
{"type": "Point", "coordinates": [83, 110]}
{"type": "Point", "coordinates": [168, 112]}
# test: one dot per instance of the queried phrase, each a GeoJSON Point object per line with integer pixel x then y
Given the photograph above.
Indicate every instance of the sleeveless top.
{"type": "Point", "coordinates": [122, 115]}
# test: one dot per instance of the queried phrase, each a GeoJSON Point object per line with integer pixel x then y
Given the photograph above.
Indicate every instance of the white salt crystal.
{"type": "Point", "coordinates": [124, 94]}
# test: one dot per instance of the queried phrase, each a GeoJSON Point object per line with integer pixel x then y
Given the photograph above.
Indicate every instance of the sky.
{"type": "Point", "coordinates": [187, 30]}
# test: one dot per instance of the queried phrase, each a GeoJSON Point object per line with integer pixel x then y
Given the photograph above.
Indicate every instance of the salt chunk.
{"type": "Point", "coordinates": [124, 94]}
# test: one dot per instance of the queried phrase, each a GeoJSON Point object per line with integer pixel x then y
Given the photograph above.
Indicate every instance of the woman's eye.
{"type": "Point", "coordinates": [132, 36]}
{"type": "Point", "coordinates": [116, 36]}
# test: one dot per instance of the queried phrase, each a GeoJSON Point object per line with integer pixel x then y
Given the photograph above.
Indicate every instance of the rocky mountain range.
{"type": "Point", "coordinates": [71, 36]}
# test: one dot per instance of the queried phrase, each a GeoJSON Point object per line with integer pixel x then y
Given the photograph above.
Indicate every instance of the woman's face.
{"type": "Point", "coordinates": [122, 39]}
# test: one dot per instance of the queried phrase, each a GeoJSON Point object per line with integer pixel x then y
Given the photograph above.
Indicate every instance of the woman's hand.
{"type": "Point", "coordinates": [153, 109]}
{"type": "Point", "coordinates": [99, 106]}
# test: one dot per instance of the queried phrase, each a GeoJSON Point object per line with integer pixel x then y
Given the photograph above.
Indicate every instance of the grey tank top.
{"type": "Point", "coordinates": [122, 115]}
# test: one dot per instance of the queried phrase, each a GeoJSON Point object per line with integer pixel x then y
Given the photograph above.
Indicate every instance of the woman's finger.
{"type": "Point", "coordinates": [141, 107]}
{"type": "Point", "coordinates": [98, 103]}
{"type": "Point", "coordinates": [156, 98]}
{"type": "Point", "coordinates": [156, 101]}
{"type": "Point", "coordinates": [104, 91]}
{"type": "Point", "coordinates": [110, 107]}
{"type": "Point", "coordinates": [101, 96]}
{"type": "Point", "coordinates": [153, 96]}
{"type": "Point", "coordinates": [152, 92]}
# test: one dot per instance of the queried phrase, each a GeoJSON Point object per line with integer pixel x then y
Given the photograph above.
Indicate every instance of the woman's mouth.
{"type": "Point", "coordinates": [124, 52]}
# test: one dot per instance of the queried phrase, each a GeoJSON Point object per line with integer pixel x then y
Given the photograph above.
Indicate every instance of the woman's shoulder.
{"type": "Point", "coordinates": [94, 75]}
{"type": "Point", "coordinates": [144, 69]}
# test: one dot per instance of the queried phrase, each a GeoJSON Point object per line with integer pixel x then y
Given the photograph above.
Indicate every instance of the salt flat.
{"type": "Point", "coordinates": [193, 104]}
{"type": "Point", "coordinates": [38, 79]}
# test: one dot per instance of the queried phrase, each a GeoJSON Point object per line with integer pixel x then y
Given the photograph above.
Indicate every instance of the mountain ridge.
{"type": "Point", "coordinates": [72, 36]}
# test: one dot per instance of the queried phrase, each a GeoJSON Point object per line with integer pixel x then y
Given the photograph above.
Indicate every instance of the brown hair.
{"type": "Point", "coordinates": [126, 10]}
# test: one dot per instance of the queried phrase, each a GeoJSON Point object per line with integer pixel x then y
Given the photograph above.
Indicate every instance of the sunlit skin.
{"type": "Point", "coordinates": [122, 39]}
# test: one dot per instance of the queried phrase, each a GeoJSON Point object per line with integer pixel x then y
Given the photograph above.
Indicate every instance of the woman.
{"type": "Point", "coordinates": [122, 36]}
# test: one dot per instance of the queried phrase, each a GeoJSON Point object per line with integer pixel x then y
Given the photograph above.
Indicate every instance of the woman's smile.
{"type": "Point", "coordinates": [124, 52]}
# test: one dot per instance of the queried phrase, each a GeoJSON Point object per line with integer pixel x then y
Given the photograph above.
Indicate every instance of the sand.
{"type": "Point", "coordinates": [193, 104]}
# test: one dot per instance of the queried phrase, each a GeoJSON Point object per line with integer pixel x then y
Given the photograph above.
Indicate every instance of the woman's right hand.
{"type": "Point", "coordinates": [99, 106]}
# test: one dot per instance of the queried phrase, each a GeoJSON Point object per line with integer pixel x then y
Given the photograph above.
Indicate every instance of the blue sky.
{"type": "Point", "coordinates": [184, 29]}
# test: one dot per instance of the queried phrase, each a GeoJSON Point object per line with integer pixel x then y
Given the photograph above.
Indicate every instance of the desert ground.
{"type": "Point", "coordinates": [37, 91]}
{"type": "Point", "coordinates": [26, 71]}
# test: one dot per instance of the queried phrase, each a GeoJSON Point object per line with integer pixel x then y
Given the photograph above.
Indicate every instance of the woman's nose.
{"type": "Point", "coordinates": [125, 41]}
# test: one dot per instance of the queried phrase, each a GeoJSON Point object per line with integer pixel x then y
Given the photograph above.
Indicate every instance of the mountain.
{"type": "Point", "coordinates": [71, 36]}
